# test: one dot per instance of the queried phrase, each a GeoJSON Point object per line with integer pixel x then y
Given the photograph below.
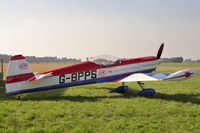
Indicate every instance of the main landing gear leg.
{"type": "Point", "coordinates": [18, 97]}
{"type": "Point", "coordinates": [144, 92]}
{"type": "Point", "coordinates": [120, 89]}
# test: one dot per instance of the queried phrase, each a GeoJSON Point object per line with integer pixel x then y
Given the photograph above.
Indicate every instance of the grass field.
{"type": "Point", "coordinates": [175, 108]}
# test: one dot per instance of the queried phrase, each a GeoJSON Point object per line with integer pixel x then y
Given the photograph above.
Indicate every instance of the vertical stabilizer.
{"type": "Point", "coordinates": [18, 73]}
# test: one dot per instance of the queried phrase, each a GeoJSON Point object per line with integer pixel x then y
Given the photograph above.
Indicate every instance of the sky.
{"type": "Point", "coordinates": [88, 28]}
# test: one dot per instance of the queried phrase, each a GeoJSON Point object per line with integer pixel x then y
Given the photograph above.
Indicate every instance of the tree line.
{"type": "Point", "coordinates": [173, 59]}
{"type": "Point", "coordinates": [34, 59]}
{"type": "Point", "coordinates": [178, 60]}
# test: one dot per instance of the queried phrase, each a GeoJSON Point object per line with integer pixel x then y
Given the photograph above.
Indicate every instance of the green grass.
{"type": "Point", "coordinates": [184, 64]}
{"type": "Point", "coordinates": [174, 108]}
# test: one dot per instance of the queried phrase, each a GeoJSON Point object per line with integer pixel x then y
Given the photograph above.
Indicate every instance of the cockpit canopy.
{"type": "Point", "coordinates": [106, 60]}
{"type": "Point", "coordinates": [104, 63]}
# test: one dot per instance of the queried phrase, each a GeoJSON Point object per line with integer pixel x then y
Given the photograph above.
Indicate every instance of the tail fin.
{"type": "Point", "coordinates": [18, 72]}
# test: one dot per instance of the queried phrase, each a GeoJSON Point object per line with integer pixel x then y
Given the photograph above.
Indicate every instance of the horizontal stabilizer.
{"type": "Point", "coordinates": [41, 76]}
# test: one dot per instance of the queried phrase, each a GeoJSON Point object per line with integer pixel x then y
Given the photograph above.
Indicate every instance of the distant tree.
{"type": "Point", "coordinates": [5, 57]}
{"type": "Point", "coordinates": [34, 59]}
{"type": "Point", "coordinates": [177, 59]}
{"type": "Point", "coordinates": [166, 60]}
{"type": "Point", "coordinates": [173, 59]}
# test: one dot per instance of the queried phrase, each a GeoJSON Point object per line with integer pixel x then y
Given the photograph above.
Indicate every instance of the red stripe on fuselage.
{"type": "Point", "coordinates": [17, 57]}
{"type": "Point", "coordinates": [19, 78]}
{"type": "Point", "coordinates": [87, 66]}
{"type": "Point", "coordinates": [138, 60]}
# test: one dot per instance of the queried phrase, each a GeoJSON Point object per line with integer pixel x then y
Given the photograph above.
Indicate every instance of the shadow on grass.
{"type": "Point", "coordinates": [44, 95]}
{"type": "Point", "coordinates": [72, 98]}
{"type": "Point", "coordinates": [184, 98]}
{"type": "Point", "coordinates": [57, 95]}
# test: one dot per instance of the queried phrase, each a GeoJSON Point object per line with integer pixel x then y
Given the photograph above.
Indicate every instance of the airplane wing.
{"type": "Point", "coordinates": [176, 76]}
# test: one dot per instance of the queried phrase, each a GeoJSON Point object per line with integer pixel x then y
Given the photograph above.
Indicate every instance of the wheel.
{"type": "Point", "coordinates": [145, 92]}
{"type": "Point", "coordinates": [120, 89]}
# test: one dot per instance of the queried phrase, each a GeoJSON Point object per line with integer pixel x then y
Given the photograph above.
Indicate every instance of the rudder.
{"type": "Point", "coordinates": [18, 72]}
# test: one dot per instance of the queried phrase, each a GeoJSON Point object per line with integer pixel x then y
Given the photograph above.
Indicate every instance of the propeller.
{"type": "Point", "coordinates": [160, 51]}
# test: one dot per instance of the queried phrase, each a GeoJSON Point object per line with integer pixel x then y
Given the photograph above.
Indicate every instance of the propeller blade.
{"type": "Point", "coordinates": [160, 51]}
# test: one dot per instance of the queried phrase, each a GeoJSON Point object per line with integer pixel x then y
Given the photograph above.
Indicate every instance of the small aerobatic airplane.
{"type": "Point", "coordinates": [20, 78]}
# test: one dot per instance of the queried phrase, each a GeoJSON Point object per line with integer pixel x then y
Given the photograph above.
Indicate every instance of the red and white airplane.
{"type": "Point", "coordinates": [20, 78]}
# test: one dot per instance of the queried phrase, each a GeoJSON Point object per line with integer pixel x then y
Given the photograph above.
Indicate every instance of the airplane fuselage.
{"type": "Point", "coordinates": [88, 73]}
{"type": "Point", "coordinates": [20, 78]}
